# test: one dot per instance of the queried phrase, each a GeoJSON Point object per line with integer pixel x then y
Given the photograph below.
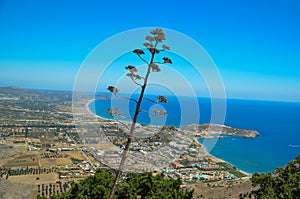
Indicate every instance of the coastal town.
{"type": "Point", "coordinates": [47, 142]}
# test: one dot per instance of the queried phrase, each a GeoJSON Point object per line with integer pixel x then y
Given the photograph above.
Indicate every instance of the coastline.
{"type": "Point", "coordinates": [205, 153]}
{"type": "Point", "coordinates": [88, 110]}
{"type": "Point", "coordinates": [216, 159]}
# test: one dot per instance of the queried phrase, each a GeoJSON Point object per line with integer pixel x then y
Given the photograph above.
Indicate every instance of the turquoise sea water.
{"type": "Point", "coordinates": [277, 122]}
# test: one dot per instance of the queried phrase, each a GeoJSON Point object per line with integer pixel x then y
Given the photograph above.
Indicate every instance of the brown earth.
{"type": "Point", "coordinates": [7, 151]}
{"type": "Point", "coordinates": [34, 178]}
{"type": "Point", "coordinates": [23, 161]}
{"type": "Point", "coordinates": [222, 190]}
{"type": "Point", "coordinates": [13, 190]}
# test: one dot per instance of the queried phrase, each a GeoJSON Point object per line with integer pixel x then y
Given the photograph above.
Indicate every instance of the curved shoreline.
{"type": "Point", "coordinates": [87, 108]}
{"type": "Point", "coordinates": [214, 158]}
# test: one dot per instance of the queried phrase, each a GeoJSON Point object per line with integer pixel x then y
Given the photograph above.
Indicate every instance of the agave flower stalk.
{"type": "Point", "coordinates": [157, 37]}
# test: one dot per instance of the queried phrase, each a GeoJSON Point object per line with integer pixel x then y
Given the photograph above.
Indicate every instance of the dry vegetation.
{"type": "Point", "coordinates": [221, 190]}
{"type": "Point", "coordinates": [7, 151]}
{"type": "Point", "coordinates": [35, 179]}
{"type": "Point", "coordinates": [74, 154]}
{"type": "Point", "coordinates": [13, 190]}
{"type": "Point", "coordinates": [23, 161]}
{"type": "Point", "coordinates": [48, 162]}
{"type": "Point", "coordinates": [63, 161]}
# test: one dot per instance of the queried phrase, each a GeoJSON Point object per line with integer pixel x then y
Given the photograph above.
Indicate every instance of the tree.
{"type": "Point", "coordinates": [97, 186]}
{"type": "Point", "coordinates": [283, 183]}
{"type": "Point", "coordinates": [157, 37]}
{"type": "Point", "coordinates": [145, 185]}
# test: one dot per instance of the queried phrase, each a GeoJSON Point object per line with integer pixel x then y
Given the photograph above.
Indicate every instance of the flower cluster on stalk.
{"type": "Point", "coordinates": [153, 40]}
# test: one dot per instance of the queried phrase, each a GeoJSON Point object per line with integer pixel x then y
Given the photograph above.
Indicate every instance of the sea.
{"type": "Point", "coordinates": [277, 122]}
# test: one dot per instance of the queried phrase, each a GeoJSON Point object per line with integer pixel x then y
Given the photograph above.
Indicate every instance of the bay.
{"type": "Point", "coordinates": [277, 123]}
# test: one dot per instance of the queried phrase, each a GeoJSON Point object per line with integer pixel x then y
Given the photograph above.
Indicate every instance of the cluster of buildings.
{"type": "Point", "coordinates": [203, 169]}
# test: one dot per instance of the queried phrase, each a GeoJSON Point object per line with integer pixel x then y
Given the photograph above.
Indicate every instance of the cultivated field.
{"type": "Point", "coordinates": [35, 179]}
{"type": "Point", "coordinates": [11, 190]}
{"type": "Point", "coordinates": [7, 151]}
{"type": "Point", "coordinates": [74, 154]}
{"type": "Point", "coordinates": [25, 160]}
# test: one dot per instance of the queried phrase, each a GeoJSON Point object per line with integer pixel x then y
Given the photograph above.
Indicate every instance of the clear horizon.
{"type": "Point", "coordinates": [152, 94]}
{"type": "Point", "coordinates": [254, 44]}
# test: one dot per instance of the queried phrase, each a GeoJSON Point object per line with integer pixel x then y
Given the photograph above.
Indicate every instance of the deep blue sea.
{"type": "Point", "coordinates": [277, 122]}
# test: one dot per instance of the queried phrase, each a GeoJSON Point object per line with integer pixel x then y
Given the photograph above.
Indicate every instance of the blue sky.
{"type": "Point", "coordinates": [255, 44]}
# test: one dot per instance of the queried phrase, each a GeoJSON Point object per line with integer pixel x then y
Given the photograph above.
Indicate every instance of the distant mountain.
{"type": "Point", "coordinates": [46, 100]}
{"type": "Point", "coordinates": [14, 91]}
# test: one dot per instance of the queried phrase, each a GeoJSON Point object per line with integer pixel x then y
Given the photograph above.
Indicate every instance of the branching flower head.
{"type": "Point", "coordinates": [138, 51]}
{"type": "Point", "coordinates": [131, 68]}
{"type": "Point", "coordinates": [134, 76]}
{"type": "Point", "coordinates": [130, 75]}
{"type": "Point", "coordinates": [167, 60]}
{"type": "Point", "coordinates": [148, 45]}
{"type": "Point", "coordinates": [149, 38]}
{"type": "Point", "coordinates": [137, 77]}
{"type": "Point", "coordinates": [109, 111]}
{"type": "Point", "coordinates": [159, 112]}
{"type": "Point", "coordinates": [160, 38]}
{"type": "Point", "coordinates": [114, 111]}
{"type": "Point", "coordinates": [159, 35]}
{"type": "Point", "coordinates": [113, 89]}
{"type": "Point", "coordinates": [154, 67]}
{"type": "Point", "coordinates": [165, 47]}
{"type": "Point", "coordinates": [153, 50]}
{"type": "Point", "coordinates": [157, 31]}
{"type": "Point", "coordinates": [161, 98]}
